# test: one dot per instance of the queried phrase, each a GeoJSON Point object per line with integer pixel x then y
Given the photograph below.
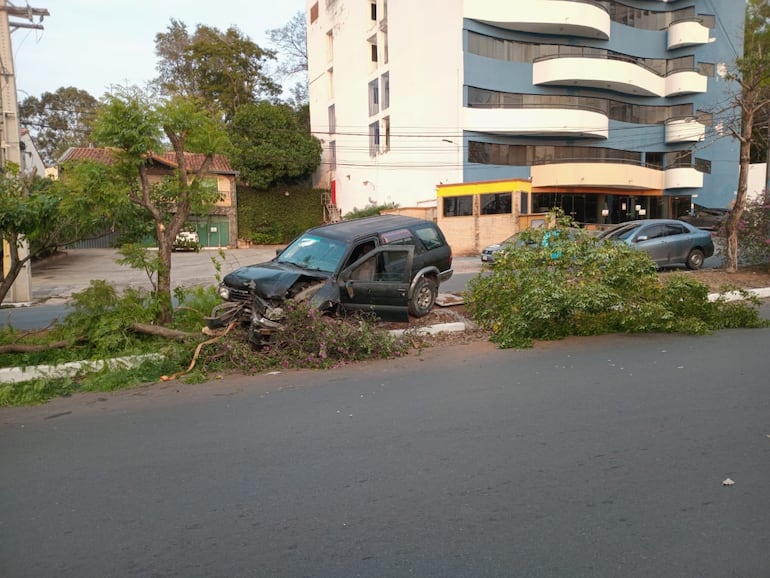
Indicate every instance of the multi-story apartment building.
{"type": "Point", "coordinates": [610, 109]}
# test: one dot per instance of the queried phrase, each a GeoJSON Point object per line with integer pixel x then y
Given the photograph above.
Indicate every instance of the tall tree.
{"type": "Point", "coordinates": [291, 43]}
{"type": "Point", "coordinates": [135, 126]}
{"type": "Point", "coordinates": [753, 79]}
{"type": "Point", "coordinates": [270, 145]}
{"type": "Point", "coordinates": [220, 70]}
{"type": "Point", "coordinates": [58, 120]}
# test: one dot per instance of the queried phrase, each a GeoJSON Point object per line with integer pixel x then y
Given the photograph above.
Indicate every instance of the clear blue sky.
{"type": "Point", "coordinates": [95, 44]}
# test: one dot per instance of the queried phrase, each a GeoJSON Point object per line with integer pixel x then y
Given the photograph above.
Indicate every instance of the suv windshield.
{"type": "Point", "coordinates": [315, 253]}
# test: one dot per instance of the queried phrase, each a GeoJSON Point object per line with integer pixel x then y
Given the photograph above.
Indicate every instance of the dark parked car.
{"type": "Point", "coordinates": [666, 241]}
{"type": "Point", "coordinates": [706, 218]}
{"type": "Point", "coordinates": [389, 265]}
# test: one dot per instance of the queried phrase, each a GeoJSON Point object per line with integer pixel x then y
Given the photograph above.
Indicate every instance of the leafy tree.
{"type": "Point", "coordinates": [753, 78]}
{"type": "Point", "coordinates": [270, 147]}
{"type": "Point", "coordinates": [220, 70]}
{"type": "Point", "coordinates": [135, 126]}
{"type": "Point", "coordinates": [42, 213]}
{"type": "Point", "coordinates": [58, 120]}
{"type": "Point", "coordinates": [291, 43]}
{"type": "Point", "coordinates": [755, 230]}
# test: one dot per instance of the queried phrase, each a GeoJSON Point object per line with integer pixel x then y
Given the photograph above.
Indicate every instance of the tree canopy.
{"type": "Point", "coordinates": [269, 147]}
{"type": "Point", "coordinates": [58, 120]}
{"type": "Point", "coordinates": [220, 70]}
{"type": "Point", "coordinates": [752, 76]}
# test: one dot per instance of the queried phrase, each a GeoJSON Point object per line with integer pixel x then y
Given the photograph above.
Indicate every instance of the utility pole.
{"type": "Point", "coordinates": [10, 147]}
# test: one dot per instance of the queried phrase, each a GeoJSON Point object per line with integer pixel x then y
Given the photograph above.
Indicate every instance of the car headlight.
{"type": "Point", "coordinates": [224, 291]}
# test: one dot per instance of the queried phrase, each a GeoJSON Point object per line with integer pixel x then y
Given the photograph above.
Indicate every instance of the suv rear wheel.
{"type": "Point", "coordinates": [423, 297]}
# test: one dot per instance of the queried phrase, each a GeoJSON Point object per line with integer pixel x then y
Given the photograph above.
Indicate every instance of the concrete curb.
{"type": "Point", "coordinates": [17, 374]}
{"type": "Point", "coordinates": [763, 293]}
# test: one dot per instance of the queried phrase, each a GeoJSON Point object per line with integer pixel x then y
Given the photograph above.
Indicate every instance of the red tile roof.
{"type": "Point", "coordinates": [220, 164]}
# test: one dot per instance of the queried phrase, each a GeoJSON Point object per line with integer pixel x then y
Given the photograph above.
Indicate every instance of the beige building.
{"type": "Point", "coordinates": [219, 226]}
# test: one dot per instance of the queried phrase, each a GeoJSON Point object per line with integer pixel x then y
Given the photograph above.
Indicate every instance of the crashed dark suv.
{"type": "Point", "coordinates": [388, 265]}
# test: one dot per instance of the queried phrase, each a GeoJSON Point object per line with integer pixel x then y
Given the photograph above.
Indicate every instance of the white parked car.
{"type": "Point", "coordinates": [187, 240]}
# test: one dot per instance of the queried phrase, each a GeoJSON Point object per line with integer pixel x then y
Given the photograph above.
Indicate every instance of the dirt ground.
{"type": "Point", "coordinates": [747, 277]}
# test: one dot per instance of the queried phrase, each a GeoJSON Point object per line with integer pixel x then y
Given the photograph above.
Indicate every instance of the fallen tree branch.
{"type": "Point", "coordinates": [163, 332]}
{"type": "Point", "coordinates": [29, 348]}
{"type": "Point", "coordinates": [198, 352]}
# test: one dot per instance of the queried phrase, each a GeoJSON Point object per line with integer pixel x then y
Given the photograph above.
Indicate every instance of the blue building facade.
{"type": "Point", "coordinates": [614, 110]}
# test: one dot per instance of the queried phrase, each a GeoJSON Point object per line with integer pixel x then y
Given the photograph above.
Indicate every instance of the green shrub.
{"type": "Point", "coordinates": [368, 211]}
{"type": "Point", "coordinates": [563, 281]}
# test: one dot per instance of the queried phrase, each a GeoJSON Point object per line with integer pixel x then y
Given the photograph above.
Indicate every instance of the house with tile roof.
{"type": "Point", "coordinates": [219, 226]}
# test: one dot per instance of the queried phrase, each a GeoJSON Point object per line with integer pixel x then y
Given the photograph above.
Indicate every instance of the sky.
{"type": "Point", "coordinates": [95, 44]}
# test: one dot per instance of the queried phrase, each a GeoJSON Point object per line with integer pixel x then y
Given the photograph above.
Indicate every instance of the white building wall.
{"type": "Point", "coordinates": [757, 180]}
{"type": "Point", "coordinates": [424, 62]}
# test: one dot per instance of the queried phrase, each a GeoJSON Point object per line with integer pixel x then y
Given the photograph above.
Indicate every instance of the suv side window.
{"type": "Point", "coordinates": [399, 237]}
{"type": "Point", "coordinates": [429, 237]}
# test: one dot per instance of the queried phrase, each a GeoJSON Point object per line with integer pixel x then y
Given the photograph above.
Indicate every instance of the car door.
{"type": "Point", "coordinates": [652, 240]}
{"type": "Point", "coordinates": [378, 283]}
{"type": "Point", "coordinates": [679, 241]}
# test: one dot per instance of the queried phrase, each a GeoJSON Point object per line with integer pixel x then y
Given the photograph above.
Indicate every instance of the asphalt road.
{"type": "Point", "coordinates": [599, 457]}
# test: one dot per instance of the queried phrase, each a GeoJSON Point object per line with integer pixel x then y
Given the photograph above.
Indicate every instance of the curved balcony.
{"type": "Point", "coordinates": [614, 74]}
{"type": "Point", "coordinates": [596, 72]}
{"type": "Point", "coordinates": [684, 129]}
{"type": "Point", "coordinates": [683, 178]}
{"type": "Point", "coordinates": [685, 82]}
{"type": "Point", "coordinates": [560, 122]}
{"type": "Point", "coordinates": [584, 18]}
{"type": "Point", "coordinates": [690, 32]}
{"type": "Point", "coordinates": [597, 174]}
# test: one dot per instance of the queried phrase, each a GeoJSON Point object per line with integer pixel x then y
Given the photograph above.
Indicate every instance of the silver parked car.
{"type": "Point", "coordinates": [666, 241]}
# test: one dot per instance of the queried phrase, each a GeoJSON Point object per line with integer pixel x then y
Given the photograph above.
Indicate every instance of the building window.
{"type": "Point", "coordinates": [333, 155]}
{"type": "Point", "coordinates": [373, 49]}
{"type": "Point", "coordinates": [523, 155]}
{"type": "Point", "coordinates": [384, 44]}
{"type": "Point", "coordinates": [496, 204]}
{"type": "Point", "coordinates": [332, 120]}
{"type": "Point", "coordinates": [706, 69]}
{"type": "Point", "coordinates": [314, 13]}
{"type": "Point", "coordinates": [458, 206]}
{"type": "Point", "coordinates": [373, 11]}
{"type": "Point", "coordinates": [374, 139]}
{"type": "Point", "coordinates": [330, 76]}
{"type": "Point", "coordinates": [374, 97]}
{"type": "Point", "coordinates": [514, 51]}
{"type": "Point", "coordinates": [708, 20]}
{"type": "Point", "coordinates": [385, 80]}
{"type": "Point", "coordinates": [329, 46]}
{"type": "Point", "coordinates": [703, 166]}
{"type": "Point", "coordinates": [614, 109]}
{"type": "Point", "coordinates": [678, 159]}
{"type": "Point", "coordinates": [386, 132]}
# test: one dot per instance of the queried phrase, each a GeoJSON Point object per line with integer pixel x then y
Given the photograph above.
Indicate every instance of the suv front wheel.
{"type": "Point", "coordinates": [423, 297]}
